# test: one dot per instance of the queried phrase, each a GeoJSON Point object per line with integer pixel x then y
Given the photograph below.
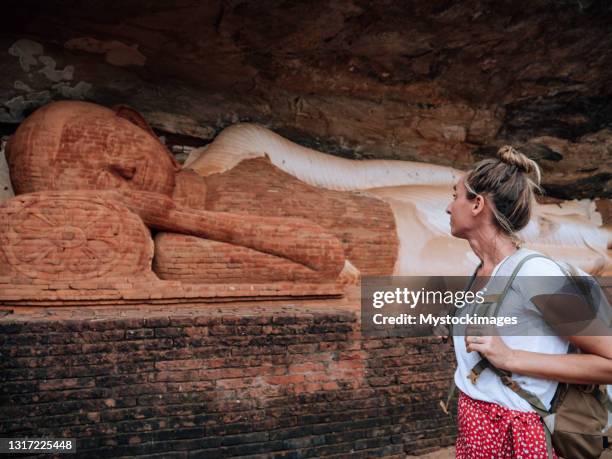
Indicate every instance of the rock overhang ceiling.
{"type": "Point", "coordinates": [444, 82]}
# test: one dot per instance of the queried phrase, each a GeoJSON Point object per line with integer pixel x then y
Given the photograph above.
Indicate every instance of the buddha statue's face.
{"type": "Point", "coordinates": [102, 151]}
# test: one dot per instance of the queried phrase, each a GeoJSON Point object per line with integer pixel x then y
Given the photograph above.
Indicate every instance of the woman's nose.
{"type": "Point", "coordinates": [448, 209]}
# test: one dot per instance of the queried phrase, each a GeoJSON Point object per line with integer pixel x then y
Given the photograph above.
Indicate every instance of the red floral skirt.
{"type": "Point", "coordinates": [487, 430]}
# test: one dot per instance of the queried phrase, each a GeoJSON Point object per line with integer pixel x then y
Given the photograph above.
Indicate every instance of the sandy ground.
{"type": "Point", "coordinates": [446, 453]}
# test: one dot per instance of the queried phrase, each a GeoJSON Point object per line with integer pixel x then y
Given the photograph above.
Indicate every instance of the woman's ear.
{"type": "Point", "coordinates": [478, 205]}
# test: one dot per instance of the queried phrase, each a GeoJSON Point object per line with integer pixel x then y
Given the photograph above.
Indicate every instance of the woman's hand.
{"type": "Point", "coordinates": [489, 344]}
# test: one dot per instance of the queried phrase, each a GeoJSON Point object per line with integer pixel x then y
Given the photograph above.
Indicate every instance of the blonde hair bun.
{"type": "Point", "coordinates": [509, 155]}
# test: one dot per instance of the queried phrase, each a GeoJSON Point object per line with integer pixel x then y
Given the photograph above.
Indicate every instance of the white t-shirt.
{"type": "Point", "coordinates": [489, 387]}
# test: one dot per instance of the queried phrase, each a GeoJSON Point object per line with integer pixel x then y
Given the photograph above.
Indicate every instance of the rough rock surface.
{"type": "Point", "coordinates": [438, 81]}
{"type": "Point", "coordinates": [6, 188]}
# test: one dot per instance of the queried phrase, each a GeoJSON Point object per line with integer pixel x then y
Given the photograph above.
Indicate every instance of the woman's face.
{"type": "Point", "coordinates": [462, 211]}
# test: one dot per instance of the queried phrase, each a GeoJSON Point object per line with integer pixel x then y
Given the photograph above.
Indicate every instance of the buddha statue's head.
{"type": "Point", "coordinates": [78, 145]}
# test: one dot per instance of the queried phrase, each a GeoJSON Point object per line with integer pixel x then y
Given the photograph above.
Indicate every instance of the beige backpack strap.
{"type": "Point", "coordinates": [453, 387]}
{"type": "Point", "coordinates": [484, 363]}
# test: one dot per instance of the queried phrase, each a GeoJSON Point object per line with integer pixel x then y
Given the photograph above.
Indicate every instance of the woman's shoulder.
{"type": "Point", "coordinates": [541, 265]}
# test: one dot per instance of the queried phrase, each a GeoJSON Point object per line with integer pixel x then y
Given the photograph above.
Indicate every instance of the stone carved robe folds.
{"type": "Point", "coordinates": [417, 195]}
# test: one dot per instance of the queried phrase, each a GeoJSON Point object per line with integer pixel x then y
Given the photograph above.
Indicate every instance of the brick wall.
{"type": "Point", "coordinates": [288, 381]}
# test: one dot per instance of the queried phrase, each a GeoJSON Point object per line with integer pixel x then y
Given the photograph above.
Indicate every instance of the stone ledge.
{"type": "Point", "coordinates": [124, 292]}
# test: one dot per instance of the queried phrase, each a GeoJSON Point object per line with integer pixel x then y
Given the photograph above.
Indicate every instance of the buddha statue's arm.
{"type": "Point", "coordinates": [294, 239]}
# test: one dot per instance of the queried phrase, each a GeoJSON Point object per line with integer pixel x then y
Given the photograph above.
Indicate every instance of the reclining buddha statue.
{"type": "Point", "coordinates": [98, 195]}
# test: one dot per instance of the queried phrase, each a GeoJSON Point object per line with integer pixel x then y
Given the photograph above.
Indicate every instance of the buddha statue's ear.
{"type": "Point", "coordinates": [128, 113]}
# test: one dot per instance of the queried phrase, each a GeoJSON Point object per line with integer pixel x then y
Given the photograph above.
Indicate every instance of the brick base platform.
{"type": "Point", "coordinates": [271, 379]}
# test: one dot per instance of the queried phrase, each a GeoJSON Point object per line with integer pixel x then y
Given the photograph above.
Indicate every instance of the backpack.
{"type": "Point", "coordinates": [578, 415]}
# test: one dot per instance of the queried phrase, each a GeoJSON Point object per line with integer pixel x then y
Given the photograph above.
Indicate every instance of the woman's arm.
{"type": "Point", "coordinates": [592, 367]}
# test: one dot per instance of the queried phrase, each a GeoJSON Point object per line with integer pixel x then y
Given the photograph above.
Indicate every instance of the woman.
{"type": "Point", "coordinates": [490, 204]}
